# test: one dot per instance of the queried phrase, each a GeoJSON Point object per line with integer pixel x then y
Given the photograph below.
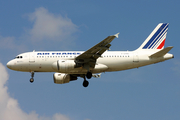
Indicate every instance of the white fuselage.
{"type": "Point", "coordinates": [44, 61]}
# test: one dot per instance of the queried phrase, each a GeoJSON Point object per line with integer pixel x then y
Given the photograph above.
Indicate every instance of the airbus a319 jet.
{"type": "Point", "coordinates": [69, 65]}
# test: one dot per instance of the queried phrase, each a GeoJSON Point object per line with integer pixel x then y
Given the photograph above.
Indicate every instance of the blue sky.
{"type": "Point", "coordinates": [150, 92]}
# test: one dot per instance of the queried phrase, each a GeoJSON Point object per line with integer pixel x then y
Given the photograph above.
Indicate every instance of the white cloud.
{"type": "Point", "coordinates": [54, 30]}
{"type": "Point", "coordinates": [10, 43]}
{"type": "Point", "coordinates": [48, 26]}
{"type": "Point", "coordinates": [9, 107]}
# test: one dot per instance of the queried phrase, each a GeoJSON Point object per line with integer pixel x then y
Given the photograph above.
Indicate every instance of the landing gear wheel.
{"type": "Point", "coordinates": [89, 75]}
{"type": "Point", "coordinates": [85, 83]}
{"type": "Point", "coordinates": [31, 80]}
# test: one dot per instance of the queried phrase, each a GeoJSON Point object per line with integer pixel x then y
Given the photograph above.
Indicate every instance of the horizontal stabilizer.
{"type": "Point", "coordinates": [161, 53]}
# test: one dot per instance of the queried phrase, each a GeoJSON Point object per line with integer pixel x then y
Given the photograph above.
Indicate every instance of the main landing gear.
{"type": "Point", "coordinates": [88, 76]}
{"type": "Point", "coordinates": [32, 75]}
{"type": "Point", "coordinates": [85, 82]}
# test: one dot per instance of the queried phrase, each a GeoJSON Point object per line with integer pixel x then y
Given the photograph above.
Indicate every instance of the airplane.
{"type": "Point", "coordinates": [69, 65]}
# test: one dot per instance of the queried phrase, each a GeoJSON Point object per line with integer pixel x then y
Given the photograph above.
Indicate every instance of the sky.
{"type": "Point", "coordinates": [151, 92]}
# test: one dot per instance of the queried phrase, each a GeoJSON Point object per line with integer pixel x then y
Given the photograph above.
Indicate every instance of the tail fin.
{"type": "Point", "coordinates": [156, 39]}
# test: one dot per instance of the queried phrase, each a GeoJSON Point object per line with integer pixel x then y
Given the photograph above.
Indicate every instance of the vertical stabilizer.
{"type": "Point", "coordinates": [156, 39]}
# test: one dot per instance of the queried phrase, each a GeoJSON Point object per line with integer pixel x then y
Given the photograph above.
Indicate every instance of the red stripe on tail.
{"type": "Point", "coordinates": [161, 45]}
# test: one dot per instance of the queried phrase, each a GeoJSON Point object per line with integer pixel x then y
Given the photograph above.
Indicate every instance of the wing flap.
{"type": "Point", "coordinates": [161, 53]}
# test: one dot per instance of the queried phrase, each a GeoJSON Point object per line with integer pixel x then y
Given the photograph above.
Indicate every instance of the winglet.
{"type": "Point", "coordinates": [116, 35]}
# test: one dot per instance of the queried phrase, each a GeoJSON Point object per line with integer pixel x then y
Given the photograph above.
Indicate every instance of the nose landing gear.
{"type": "Point", "coordinates": [32, 75]}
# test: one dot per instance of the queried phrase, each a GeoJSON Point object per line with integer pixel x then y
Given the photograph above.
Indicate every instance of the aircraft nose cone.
{"type": "Point", "coordinates": [9, 64]}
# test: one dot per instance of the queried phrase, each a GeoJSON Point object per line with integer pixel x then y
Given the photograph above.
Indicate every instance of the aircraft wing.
{"type": "Point", "coordinates": [89, 57]}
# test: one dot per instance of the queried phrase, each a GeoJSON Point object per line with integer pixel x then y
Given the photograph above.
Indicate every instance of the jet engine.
{"type": "Point", "coordinates": [60, 78]}
{"type": "Point", "coordinates": [64, 65]}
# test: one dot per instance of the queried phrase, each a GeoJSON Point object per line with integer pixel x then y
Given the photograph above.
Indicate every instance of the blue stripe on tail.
{"type": "Point", "coordinates": [155, 38]}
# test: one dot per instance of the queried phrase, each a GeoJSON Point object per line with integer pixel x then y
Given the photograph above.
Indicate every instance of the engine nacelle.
{"type": "Point", "coordinates": [60, 78]}
{"type": "Point", "coordinates": [64, 65]}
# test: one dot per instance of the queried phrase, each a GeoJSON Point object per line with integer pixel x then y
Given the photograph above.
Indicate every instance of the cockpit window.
{"type": "Point", "coordinates": [18, 57]}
